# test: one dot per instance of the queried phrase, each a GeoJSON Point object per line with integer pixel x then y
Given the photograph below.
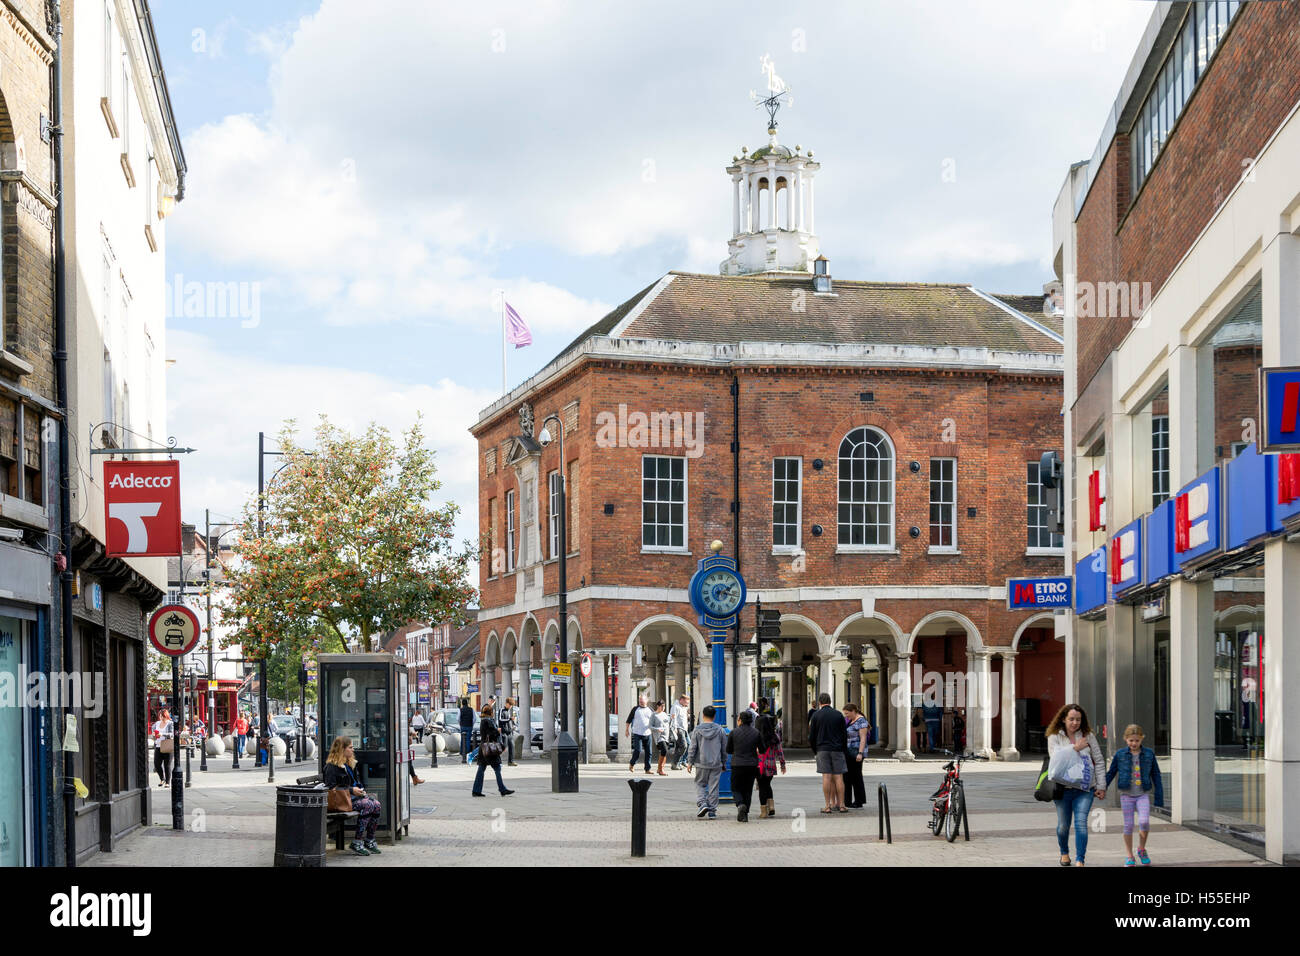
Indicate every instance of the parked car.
{"type": "Point", "coordinates": [537, 729]}
{"type": "Point", "coordinates": [447, 720]}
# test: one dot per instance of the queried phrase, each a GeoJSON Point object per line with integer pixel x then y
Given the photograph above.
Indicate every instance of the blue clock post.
{"type": "Point", "coordinates": [717, 593]}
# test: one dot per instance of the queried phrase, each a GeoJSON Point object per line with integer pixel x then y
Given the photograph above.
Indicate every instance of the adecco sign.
{"type": "Point", "coordinates": [142, 508]}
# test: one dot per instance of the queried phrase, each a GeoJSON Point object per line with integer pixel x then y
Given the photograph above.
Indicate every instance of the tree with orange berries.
{"type": "Point", "coordinates": [351, 545]}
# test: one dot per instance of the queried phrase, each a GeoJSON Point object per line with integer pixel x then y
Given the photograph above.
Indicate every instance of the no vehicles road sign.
{"type": "Point", "coordinates": [585, 665]}
{"type": "Point", "coordinates": [561, 673]}
{"type": "Point", "coordinates": [174, 630]}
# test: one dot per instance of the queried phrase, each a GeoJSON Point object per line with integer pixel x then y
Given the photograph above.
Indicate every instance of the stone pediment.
{"type": "Point", "coordinates": [520, 448]}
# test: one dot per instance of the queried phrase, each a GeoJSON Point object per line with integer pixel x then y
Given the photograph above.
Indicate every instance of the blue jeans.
{"type": "Point", "coordinates": [932, 732]}
{"type": "Point", "coordinates": [641, 742]}
{"type": "Point", "coordinates": [1073, 803]}
{"type": "Point", "coordinates": [465, 734]}
{"type": "Point", "coordinates": [478, 776]}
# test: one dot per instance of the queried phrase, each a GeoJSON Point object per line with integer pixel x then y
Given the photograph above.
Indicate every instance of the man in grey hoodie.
{"type": "Point", "coordinates": [707, 757]}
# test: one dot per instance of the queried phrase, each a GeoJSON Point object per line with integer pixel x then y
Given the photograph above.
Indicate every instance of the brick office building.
{"type": "Point", "coordinates": [868, 451]}
{"type": "Point", "coordinates": [1179, 245]}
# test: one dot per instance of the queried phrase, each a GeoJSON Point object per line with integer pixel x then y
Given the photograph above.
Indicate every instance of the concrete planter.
{"type": "Point", "coordinates": [215, 746]}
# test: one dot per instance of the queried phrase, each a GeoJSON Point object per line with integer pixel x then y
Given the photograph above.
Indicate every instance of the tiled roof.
{"type": "Point", "coordinates": [783, 308]}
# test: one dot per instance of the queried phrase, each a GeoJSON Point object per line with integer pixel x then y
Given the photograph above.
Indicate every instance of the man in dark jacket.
{"type": "Point", "coordinates": [743, 744]}
{"type": "Point", "coordinates": [827, 737]}
{"type": "Point", "coordinates": [466, 728]}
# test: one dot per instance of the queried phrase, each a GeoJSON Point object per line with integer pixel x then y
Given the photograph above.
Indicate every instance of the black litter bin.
{"type": "Point", "coordinates": [300, 826]}
{"type": "Point", "coordinates": [564, 764]}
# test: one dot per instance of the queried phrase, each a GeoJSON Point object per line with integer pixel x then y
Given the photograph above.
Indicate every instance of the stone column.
{"type": "Point", "coordinates": [884, 716]}
{"type": "Point", "coordinates": [771, 189]}
{"type": "Point", "coordinates": [798, 199]}
{"type": "Point", "coordinates": [548, 712]}
{"type": "Point", "coordinates": [735, 206]}
{"type": "Point", "coordinates": [812, 226]}
{"type": "Point", "coordinates": [902, 711]}
{"type": "Point", "coordinates": [855, 677]}
{"type": "Point", "coordinates": [826, 675]}
{"type": "Point", "coordinates": [1008, 705]}
{"type": "Point", "coordinates": [572, 690]}
{"type": "Point", "coordinates": [755, 205]}
{"type": "Point", "coordinates": [597, 711]}
{"type": "Point", "coordinates": [1280, 303]}
{"type": "Point", "coordinates": [983, 716]}
{"type": "Point", "coordinates": [1191, 704]}
{"type": "Point", "coordinates": [679, 672]}
{"type": "Point", "coordinates": [789, 201]}
{"type": "Point", "coordinates": [626, 696]}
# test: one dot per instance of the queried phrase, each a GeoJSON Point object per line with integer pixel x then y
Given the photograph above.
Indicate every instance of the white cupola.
{"type": "Point", "coordinates": [772, 211]}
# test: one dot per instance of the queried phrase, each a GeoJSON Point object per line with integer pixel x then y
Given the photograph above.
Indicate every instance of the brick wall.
{"type": "Point", "coordinates": [1250, 87]}
{"type": "Point", "coordinates": [996, 423]}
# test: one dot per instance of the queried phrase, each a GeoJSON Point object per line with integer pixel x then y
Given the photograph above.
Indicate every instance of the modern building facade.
{"type": "Point", "coordinates": [1178, 243]}
{"type": "Point", "coordinates": [867, 451]}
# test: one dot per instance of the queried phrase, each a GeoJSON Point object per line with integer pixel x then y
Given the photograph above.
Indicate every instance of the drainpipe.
{"type": "Point", "coordinates": [61, 387]}
{"type": "Point", "coordinates": [735, 528]}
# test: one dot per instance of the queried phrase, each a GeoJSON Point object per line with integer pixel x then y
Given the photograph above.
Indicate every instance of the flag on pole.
{"type": "Point", "coordinates": [517, 333]}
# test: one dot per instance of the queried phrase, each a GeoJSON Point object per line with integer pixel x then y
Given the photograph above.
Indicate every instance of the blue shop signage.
{"type": "Point", "coordinates": [1197, 531]}
{"type": "Point", "coordinates": [1247, 480]}
{"type": "Point", "coordinates": [1160, 542]}
{"type": "Point", "coordinates": [1032, 594]}
{"type": "Point", "coordinates": [1279, 409]}
{"type": "Point", "coordinates": [1090, 582]}
{"type": "Point", "coordinates": [1126, 564]}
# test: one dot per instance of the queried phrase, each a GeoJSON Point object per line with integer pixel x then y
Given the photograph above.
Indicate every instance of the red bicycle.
{"type": "Point", "coordinates": [949, 801]}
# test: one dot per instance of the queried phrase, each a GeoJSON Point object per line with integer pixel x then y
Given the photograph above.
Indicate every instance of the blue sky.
{"type": "Point", "coordinates": [375, 170]}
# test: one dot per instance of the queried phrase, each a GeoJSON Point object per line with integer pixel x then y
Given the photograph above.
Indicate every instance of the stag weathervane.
{"type": "Point", "coordinates": [776, 89]}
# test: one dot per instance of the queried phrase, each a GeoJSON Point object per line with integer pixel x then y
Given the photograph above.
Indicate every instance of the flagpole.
{"type": "Point", "coordinates": [502, 307]}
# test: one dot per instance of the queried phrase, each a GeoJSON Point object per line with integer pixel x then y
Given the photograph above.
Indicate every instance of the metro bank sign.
{"type": "Point", "coordinates": [1032, 593]}
{"type": "Point", "coordinates": [142, 508]}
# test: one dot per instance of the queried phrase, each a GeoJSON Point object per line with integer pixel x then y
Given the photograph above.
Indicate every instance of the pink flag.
{"type": "Point", "coordinates": [517, 333]}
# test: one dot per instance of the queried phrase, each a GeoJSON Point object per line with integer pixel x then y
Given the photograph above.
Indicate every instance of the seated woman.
{"type": "Point", "coordinates": [340, 772]}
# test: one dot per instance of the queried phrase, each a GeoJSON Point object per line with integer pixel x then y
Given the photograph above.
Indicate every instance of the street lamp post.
{"type": "Point", "coordinates": [565, 745]}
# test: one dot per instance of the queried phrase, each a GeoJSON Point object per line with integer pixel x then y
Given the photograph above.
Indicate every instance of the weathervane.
{"type": "Point", "coordinates": [776, 89]}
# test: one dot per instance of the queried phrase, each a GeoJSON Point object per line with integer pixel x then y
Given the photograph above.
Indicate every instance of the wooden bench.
{"type": "Point", "coordinates": [333, 818]}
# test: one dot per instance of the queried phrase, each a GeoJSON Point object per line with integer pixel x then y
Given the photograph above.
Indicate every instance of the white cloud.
{"type": "Point", "coordinates": [403, 162]}
{"type": "Point", "coordinates": [217, 403]}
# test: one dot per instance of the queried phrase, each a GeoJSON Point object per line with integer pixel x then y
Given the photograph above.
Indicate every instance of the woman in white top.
{"type": "Point", "coordinates": [1069, 728]}
{"type": "Point", "coordinates": [162, 762]}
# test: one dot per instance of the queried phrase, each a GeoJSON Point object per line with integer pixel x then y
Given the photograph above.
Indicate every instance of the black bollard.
{"type": "Point", "coordinates": [882, 812]}
{"type": "Point", "coordinates": [639, 788]}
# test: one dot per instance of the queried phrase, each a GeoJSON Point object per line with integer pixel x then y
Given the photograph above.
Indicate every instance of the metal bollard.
{"type": "Point", "coordinates": [882, 812]}
{"type": "Point", "coordinates": [639, 788]}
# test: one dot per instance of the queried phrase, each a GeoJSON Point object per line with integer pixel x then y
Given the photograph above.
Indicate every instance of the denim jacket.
{"type": "Point", "coordinates": [1121, 765]}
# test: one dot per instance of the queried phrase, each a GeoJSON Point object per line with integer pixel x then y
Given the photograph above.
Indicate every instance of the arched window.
{"type": "Point", "coordinates": [866, 490]}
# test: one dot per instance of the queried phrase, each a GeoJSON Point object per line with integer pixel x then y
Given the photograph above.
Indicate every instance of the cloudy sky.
{"type": "Point", "coordinates": [374, 171]}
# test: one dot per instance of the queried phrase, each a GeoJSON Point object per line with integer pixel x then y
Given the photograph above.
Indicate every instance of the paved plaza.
{"type": "Point", "coordinates": [232, 819]}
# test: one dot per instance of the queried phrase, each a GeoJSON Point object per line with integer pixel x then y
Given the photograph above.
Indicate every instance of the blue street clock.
{"type": "Point", "coordinates": [717, 591]}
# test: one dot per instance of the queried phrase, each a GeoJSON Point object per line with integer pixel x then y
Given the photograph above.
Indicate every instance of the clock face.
{"type": "Point", "coordinates": [721, 592]}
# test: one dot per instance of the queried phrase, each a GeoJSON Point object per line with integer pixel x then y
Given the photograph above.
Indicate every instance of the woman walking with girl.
{"type": "Point", "coordinates": [1070, 729]}
{"type": "Point", "coordinates": [770, 756]}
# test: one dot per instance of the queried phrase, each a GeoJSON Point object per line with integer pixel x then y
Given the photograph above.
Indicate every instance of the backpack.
{"type": "Point", "coordinates": [1046, 790]}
